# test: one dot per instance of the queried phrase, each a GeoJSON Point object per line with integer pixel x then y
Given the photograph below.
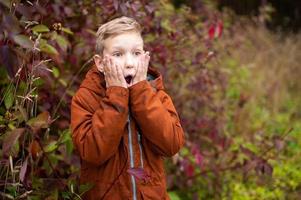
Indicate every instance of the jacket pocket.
{"type": "Point", "coordinates": [105, 192]}
{"type": "Point", "coordinates": [152, 192]}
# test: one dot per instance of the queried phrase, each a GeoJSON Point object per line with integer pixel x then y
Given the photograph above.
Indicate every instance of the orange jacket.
{"type": "Point", "coordinates": [122, 136]}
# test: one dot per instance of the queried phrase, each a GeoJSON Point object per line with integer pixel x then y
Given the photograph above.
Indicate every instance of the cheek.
{"type": "Point", "coordinates": [136, 61]}
{"type": "Point", "coordinates": [119, 62]}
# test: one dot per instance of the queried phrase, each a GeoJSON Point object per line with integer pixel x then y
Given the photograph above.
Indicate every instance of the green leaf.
{"type": "Point", "coordinates": [3, 73]}
{"type": "Point", "coordinates": [6, 3]}
{"type": "Point", "coordinates": [9, 97]}
{"type": "Point", "coordinates": [174, 196]}
{"type": "Point", "coordinates": [12, 191]}
{"type": "Point", "coordinates": [62, 42]}
{"type": "Point", "coordinates": [55, 72]}
{"type": "Point", "coordinates": [85, 187]}
{"type": "Point", "coordinates": [69, 147]}
{"type": "Point", "coordinates": [66, 195]}
{"type": "Point", "coordinates": [65, 135]}
{"type": "Point", "coordinates": [38, 82]}
{"type": "Point", "coordinates": [54, 194]}
{"type": "Point", "coordinates": [166, 25]}
{"type": "Point", "coordinates": [67, 30]}
{"type": "Point", "coordinates": [63, 82]}
{"type": "Point", "coordinates": [41, 121]}
{"type": "Point", "coordinates": [71, 92]}
{"type": "Point", "coordinates": [51, 146]}
{"type": "Point", "coordinates": [47, 48]}
{"type": "Point", "coordinates": [23, 41]}
{"type": "Point", "coordinates": [41, 28]}
{"type": "Point", "coordinates": [184, 151]}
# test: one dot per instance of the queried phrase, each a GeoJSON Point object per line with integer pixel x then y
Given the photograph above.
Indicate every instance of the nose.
{"type": "Point", "coordinates": [129, 61]}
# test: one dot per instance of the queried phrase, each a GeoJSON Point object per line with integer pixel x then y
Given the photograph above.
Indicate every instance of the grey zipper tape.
{"type": "Point", "coordinates": [131, 158]}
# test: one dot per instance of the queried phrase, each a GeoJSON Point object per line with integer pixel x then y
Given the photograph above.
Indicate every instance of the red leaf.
{"type": "Point", "coordinates": [198, 159]}
{"type": "Point", "coordinates": [41, 121]}
{"type": "Point", "coordinates": [150, 9]}
{"type": "Point", "coordinates": [11, 24]}
{"type": "Point", "coordinates": [215, 30]}
{"type": "Point", "coordinates": [135, 6]}
{"type": "Point", "coordinates": [8, 59]}
{"type": "Point", "coordinates": [219, 29]}
{"type": "Point", "coordinates": [34, 149]}
{"type": "Point", "coordinates": [189, 170]}
{"type": "Point", "coordinates": [197, 155]}
{"type": "Point", "coordinates": [11, 139]}
{"type": "Point", "coordinates": [23, 170]}
{"type": "Point", "coordinates": [187, 167]}
{"type": "Point", "coordinates": [139, 173]}
{"type": "Point", "coordinates": [116, 4]}
{"type": "Point", "coordinates": [211, 32]}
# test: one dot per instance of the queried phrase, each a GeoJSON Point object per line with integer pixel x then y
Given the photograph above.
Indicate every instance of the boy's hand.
{"type": "Point", "coordinates": [142, 67]}
{"type": "Point", "coordinates": [113, 73]}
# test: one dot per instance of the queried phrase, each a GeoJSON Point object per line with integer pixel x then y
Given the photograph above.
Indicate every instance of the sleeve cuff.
{"type": "Point", "coordinates": [139, 86]}
{"type": "Point", "coordinates": [140, 91]}
{"type": "Point", "coordinates": [117, 92]}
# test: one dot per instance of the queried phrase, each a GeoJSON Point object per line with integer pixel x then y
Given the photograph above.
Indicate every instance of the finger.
{"type": "Point", "coordinates": [139, 67]}
{"type": "Point", "coordinates": [104, 61]}
{"type": "Point", "coordinates": [120, 75]}
{"type": "Point", "coordinates": [113, 68]}
{"type": "Point", "coordinates": [104, 64]}
{"type": "Point", "coordinates": [108, 63]}
{"type": "Point", "coordinates": [148, 56]}
{"type": "Point", "coordinates": [106, 79]}
{"type": "Point", "coordinates": [144, 63]}
{"type": "Point", "coordinates": [106, 68]}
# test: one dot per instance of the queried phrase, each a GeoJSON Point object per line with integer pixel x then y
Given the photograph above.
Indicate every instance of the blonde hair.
{"type": "Point", "coordinates": [113, 28]}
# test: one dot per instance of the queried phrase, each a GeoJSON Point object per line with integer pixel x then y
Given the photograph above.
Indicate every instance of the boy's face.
{"type": "Point", "coordinates": [125, 49]}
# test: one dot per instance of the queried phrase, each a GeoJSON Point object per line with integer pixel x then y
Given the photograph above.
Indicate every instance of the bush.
{"type": "Point", "coordinates": [234, 87]}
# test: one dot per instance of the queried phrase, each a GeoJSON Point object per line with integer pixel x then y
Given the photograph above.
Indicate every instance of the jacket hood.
{"type": "Point", "coordinates": [95, 80]}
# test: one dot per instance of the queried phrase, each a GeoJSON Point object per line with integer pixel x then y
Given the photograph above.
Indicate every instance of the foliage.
{"type": "Point", "coordinates": [233, 85]}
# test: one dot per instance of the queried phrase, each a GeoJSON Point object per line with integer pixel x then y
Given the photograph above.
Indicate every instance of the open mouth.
{"type": "Point", "coordinates": [128, 79]}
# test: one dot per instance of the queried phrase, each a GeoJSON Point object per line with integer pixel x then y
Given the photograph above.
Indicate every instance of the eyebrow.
{"type": "Point", "coordinates": [120, 47]}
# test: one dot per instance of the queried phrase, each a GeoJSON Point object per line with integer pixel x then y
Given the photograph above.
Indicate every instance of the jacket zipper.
{"type": "Point", "coordinates": [140, 148]}
{"type": "Point", "coordinates": [132, 155]}
{"type": "Point", "coordinates": [131, 158]}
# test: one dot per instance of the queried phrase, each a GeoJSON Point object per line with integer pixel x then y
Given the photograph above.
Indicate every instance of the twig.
{"type": "Point", "coordinates": [69, 85]}
{"type": "Point", "coordinates": [238, 165]}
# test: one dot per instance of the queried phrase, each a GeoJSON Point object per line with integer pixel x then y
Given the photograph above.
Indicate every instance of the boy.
{"type": "Point", "coordinates": [123, 122]}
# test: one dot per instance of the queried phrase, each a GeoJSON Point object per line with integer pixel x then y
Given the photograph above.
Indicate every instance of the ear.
{"type": "Point", "coordinates": [98, 62]}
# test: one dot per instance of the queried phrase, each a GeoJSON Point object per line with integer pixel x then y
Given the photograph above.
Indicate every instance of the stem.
{"type": "Point", "coordinates": [69, 85]}
{"type": "Point", "coordinates": [238, 165]}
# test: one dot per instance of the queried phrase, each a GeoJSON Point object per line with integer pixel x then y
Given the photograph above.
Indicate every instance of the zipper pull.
{"type": "Point", "coordinates": [139, 137]}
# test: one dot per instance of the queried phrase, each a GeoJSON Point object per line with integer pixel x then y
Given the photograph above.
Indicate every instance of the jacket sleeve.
{"type": "Point", "coordinates": [157, 118]}
{"type": "Point", "coordinates": [97, 131]}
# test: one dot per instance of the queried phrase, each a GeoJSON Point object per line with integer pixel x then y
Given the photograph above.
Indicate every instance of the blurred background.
{"type": "Point", "coordinates": [231, 67]}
